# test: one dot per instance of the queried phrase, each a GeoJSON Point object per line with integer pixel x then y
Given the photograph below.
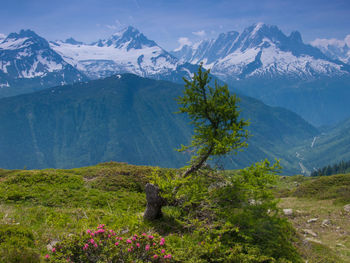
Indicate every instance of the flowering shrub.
{"type": "Point", "coordinates": [105, 245]}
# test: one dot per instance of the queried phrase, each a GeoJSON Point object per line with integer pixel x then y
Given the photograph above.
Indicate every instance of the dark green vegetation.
{"type": "Point", "coordinates": [338, 168]}
{"type": "Point", "coordinates": [320, 101]}
{"type": "Point", "coordinates": [233, 222]}
{"type": "Point", "coordinates": [128, 119]}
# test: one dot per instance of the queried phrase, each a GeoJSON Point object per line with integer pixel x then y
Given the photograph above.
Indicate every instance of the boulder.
{"type": "Point", "coordinates": [288, 212]}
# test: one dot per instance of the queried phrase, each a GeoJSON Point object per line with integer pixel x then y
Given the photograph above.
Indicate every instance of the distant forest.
{"type": "Point", "coordinates": [339, 168]}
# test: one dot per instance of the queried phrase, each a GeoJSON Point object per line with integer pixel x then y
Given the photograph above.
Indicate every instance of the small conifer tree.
{"type": "Point", "coordinates": [214, 113]}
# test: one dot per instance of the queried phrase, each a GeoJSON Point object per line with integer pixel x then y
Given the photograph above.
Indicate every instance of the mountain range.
{"type": "Point", "coordinates": [261, 51]}
{"type": "Point", "coordinates": [261, 62]}
{"type": "Point", "coordinates": [127, 51]}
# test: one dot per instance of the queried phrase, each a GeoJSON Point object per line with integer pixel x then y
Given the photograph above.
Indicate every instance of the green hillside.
{"type": "Point", "coordinates": [128, 119]}
{"type": "Point", "coordinates": [328, 148]}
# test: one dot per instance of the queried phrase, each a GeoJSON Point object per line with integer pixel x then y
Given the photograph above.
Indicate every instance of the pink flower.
{"type": "Point", "coordinates": [163, 251]}
{"type": "Point", "coordinates": [47, 256]}
{"type": "Point", "coordinates": [162, 241]}
{"type": "Point", "coordinates": [85, 246]}
{"type": "Point", "coordinates": [109, 236]}
{"type": "Point", "coordinates": [155, 256]}
{"type": "Point", "coordinates": [129, 249]}
{"type": "Point", "coordinates": [116, 243]}
{"type": "Point", "coordinates": [150, 237]}
{"type": "Point", "coordinates": [92, 241]}
{"type": "Point", "coordinates": [154, 244]}
{"type": "Point", "coordinates": [138, 244]}
{"type": "Point", "coordinates": [144, 234]}
{"type": "Point", "coordinates": [54, 250]}
{"type": "Point", "coordinates": [134, 238]}
{"type": "Point", "coordinates": [128, 241]}
{"type": "Point", "coordinates": [147, 247]}
{"type": "Point", "coordinates": [169, 256]}
{"type": "Point", "coordinates": [95, 245]}
{"type": "Point", "coordinates": [88, 231]}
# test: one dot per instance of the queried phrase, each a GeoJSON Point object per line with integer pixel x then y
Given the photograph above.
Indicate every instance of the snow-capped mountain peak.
{"type": "Point", "coordinates": [25, 38]}
{"type": "Point", "coordinates": [25, 55]}
{"type": "Point", "coordinates": [128, 38]}
{"type": "Point", "coordinates": [261, 50]}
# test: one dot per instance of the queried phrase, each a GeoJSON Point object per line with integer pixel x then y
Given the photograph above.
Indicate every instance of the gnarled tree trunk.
{"type": "Point", "coordinates": [154, 202]}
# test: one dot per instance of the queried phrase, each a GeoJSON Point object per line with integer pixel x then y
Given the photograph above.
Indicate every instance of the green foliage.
{"type": "Point", "coordinates": [218, 129]}
{"type": "Point", "coordinates": [106, 245]}
{"type": "Point", "coordinates": [17, 245]}
{"type": "Point", "coordinates": [234, 213]}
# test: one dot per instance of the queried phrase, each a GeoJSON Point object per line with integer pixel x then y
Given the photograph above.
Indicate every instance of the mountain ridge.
{"type": "Point", "coordinates": [127, 118]}
{"type": "Point", "coordinates": [28, 63]}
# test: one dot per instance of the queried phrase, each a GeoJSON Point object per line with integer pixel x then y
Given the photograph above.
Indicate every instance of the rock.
{"type": "Point", "coordinates": [326, 222]}
{"type": "Point", "coordinates": [312, 220]}
{"type": "Point", "coordinates": [288, 212]}
{"type": "Point", "coordinates": [347, 208]}
{"type": "Point", "coordinates": [52, 244]}
{"type": "Point", "coordinates": [308, 239]}
{"type": "Point", "coordinates": [310, 232]}
{"type": "Point", "coordinates": [154, 202]}
{"type": "Point", "coordinates": [254, 202]}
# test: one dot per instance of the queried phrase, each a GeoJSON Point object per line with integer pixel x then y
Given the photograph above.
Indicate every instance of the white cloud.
{"type": "Point", "coordinates": [324, 42]}
{"type": "Point", "coordinates": [2, 36]}
{"type": "Point", "coordinates": [183, 41]}
{"type": "Point", "coordinates": [200, 33]}
{"type": "Point", "coordinates": [112, 27]}
{"type": "Point", "coordinates": [347, 40]}
{"type": "Point", "coordinates": [117, 25]}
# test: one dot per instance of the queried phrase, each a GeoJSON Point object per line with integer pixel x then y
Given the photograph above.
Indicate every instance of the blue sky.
{"type": "Point", "coordinates": [166, 21]}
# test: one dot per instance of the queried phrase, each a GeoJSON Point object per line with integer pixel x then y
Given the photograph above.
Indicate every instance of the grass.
{"type": "Point", "coordinates": [322, 198]}
{"type": "Point", "coordinates": [41, 206]}
{"type": "Point", "coordinates": [49, 202]}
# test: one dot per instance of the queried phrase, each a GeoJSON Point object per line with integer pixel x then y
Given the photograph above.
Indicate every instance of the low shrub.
{"type": "Point", "coordinates": [17, 245]}
{"type": "Point", "coordinates": [106, 245]}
